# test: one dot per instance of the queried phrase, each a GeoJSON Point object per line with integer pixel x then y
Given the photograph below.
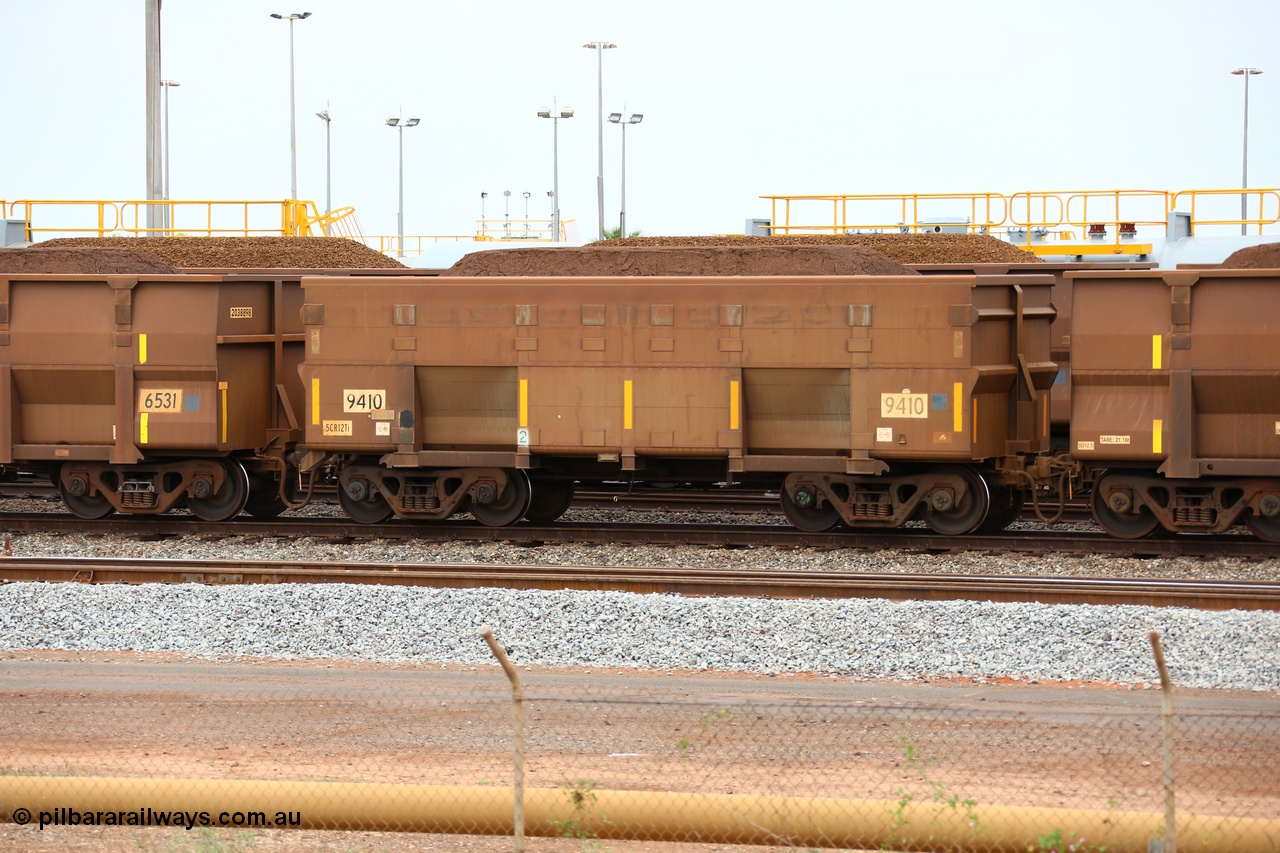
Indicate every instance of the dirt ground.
{"type": "Point", "coordinates": [1057, 746]}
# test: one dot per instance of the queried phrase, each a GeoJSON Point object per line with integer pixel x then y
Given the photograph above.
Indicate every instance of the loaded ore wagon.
{"type": "Point", "coordinates": [864, 399]}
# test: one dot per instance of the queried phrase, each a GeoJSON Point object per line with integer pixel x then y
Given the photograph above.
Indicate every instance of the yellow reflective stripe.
{"type": "Point", "coordinates": [1156, 351]}
{"type": "Point", "coordinates": [142, 428]}
{"type": "Point", "coordinates": [1157, 436]}
{"type": "Point", "coordinates": [626, 404]}
{"type": "Point", "coordinates": [1046, 413]}
{"type": "Point", "coordinates": [733, 405]}
{"type": "Point", "coordinates": [315, 401]}
{"type": "Point", "coordinates": [524, 402]}
{"type": "Point", "coordinates": [975, 419]}
{"type": "Point", "coordinates": [957, 405]}
{"type": "Point", "coordinates": [142, 348]}
{"type": "Point", "coordinates": [222, 387]}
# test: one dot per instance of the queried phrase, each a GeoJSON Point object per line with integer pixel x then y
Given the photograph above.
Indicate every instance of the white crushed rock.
{"type": "Point", "coordinates": [855, 638]}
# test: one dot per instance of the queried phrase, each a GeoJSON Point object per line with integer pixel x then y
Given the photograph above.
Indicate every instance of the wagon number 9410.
{"type": "Point", "coordinates": [363, 400]}
{"type": "Point", "coordinates": [904, 405]}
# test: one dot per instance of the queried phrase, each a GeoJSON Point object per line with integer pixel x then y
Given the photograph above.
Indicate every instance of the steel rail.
{"type": "Point", "coordinates": [746, 535]}
{"type": "Point", "coordinates": [746, 583]}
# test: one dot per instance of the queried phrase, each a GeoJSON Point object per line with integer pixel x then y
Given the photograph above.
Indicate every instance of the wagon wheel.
{"type": "Point", "coordinates": [85, 506]}
{"type": "Point", "coordinates": [1006, 507]}
{"type": "Point", "coordinates": [225, 504]}
{"type": "Point", "coordinates": [550, 500]}
{"type": "Point", "coordinates": [967, 514]}
{"type": "Point", "coordinates": [510, 506]}
{"type": "Point", "coordinates": [264, 496]}
{"type": "Point", "coordinates": [373, 509]}
{"type": "Point", "coordinates": [809, 519]}
{"type": "Point", "coordinates": [1120, 524]}
{"type": "Point", "coordinates": [1266, 529]}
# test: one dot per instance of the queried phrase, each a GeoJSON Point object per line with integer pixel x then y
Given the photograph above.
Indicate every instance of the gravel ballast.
{"type": "Point", "coordinates": [857, 638]}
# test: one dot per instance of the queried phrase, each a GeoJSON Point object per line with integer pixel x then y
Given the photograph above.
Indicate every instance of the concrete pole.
{"type": "Point", "coordinates": [155, 177]}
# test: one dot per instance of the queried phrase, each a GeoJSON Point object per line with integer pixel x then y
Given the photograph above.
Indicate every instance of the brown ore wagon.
{"type": "Point", "coordinates": [870, 400]}
{"type": "Point", "coordinates": [141, 393]}
{"type": "Point", "coordinates": [1175, 409]}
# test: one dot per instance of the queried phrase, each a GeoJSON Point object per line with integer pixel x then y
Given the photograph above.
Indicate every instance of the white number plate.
{"type": "Point", "coordinates": [363, 400]}
{"type": "Point", "coordinates": [160, 400]}
{"type": "Point", "coordinates": [904, 405]}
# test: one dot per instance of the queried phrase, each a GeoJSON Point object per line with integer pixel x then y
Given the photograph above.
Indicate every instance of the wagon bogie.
{"type": "Point", "coordinates": [1131, 504]}
{"type": "Point", "coordinates": [952, 500]}
{"type": "Point", "coordinates": [370, 492]}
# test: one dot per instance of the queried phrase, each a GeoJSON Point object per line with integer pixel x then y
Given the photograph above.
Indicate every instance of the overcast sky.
{"type": "Point", "coordinates": [740, 99]}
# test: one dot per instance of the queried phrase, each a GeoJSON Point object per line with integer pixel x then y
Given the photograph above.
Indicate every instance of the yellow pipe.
{"type": "Point", "coordinates": [637, 815]}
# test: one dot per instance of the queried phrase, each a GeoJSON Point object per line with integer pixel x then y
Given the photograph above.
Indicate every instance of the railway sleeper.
{"type": "Point", "coordinates": [952, 500]}
{"type": "Point", "coordinates": [370, 493]}
{"type": "Point", "coordinates": [1134, 504]}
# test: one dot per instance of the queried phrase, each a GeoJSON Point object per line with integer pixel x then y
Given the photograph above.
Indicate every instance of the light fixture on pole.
{"type": "Point", "coordinates": [328, 172]}
{"type": "Point", "coordinates": [1246, 73]}
{"type": "Point", "coordinates": [562, 112]}
{"type": "Point", "coordinates": [395, 122]}
{"type": "Point", "coordinates": [600, 47]}
{"type": "Point", "coordinates": [167, 84]}
{"type": "Point", "coordinates": [293, 113]}
{"type": "Point", "coordinates": [616, 118]}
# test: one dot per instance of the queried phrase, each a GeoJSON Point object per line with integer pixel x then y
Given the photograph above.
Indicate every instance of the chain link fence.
{"type": "Point", "coordinates": [342, 757]}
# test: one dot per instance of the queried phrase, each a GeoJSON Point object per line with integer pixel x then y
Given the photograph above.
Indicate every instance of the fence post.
{"type": "Point", "coordinates": [517, 699]}
{"type": "Point", "coordinates": [1170, 844]}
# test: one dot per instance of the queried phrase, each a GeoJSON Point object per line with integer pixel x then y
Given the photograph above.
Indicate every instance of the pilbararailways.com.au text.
{"type": "Point", "coordinates": [158, 817]}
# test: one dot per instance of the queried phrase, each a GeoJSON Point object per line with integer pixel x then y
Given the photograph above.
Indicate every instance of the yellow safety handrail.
{"type": "Point", "coordinates": [1109, 219]}
{"type": "Point", "coordinates": [192, 217]}
{"type": "Point", "coordinates": [1192, 197]}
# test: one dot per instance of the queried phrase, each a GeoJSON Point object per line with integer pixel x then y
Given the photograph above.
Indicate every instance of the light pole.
{"type": "Point", "coordinates": [167, 84]}
{"type": "Point", "coordinates": [484, 226]}
{"type": "Point", "coordinates": [600, 47]}
{"type": "Point", "coordinates": [395, 122]}
{"type": "Point", "coordinates": [506, 214]}
{"type": "Point", "coordinates": [563, 112]}
{"type": "Point", "coordinates": [328, 173]}
{"type": "Point", "coordinates": [1246, 73]}
{"type": "Point", "coordinates": [526, 213]}
{"type": "Point", "coordinates": [293, 113]}
{"type": "Point", "coordinates": [616, 118]}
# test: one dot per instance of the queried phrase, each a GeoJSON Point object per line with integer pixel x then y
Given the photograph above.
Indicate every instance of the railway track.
{"type": "Point", "coordinates": [1200, 594]}
{"type": "Point", "coordinates": [746, 535]}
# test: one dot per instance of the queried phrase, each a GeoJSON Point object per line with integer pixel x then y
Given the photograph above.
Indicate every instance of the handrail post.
{"type": "Point", "coordinates": [517, 699]}
{"type": "Point", "coordinates": [1166, 692]}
